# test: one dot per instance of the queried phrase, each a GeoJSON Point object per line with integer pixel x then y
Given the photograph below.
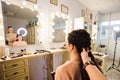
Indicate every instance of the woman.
{"type": "Point", "coordinates": [10, 36]}
{"type": "Point", "coordinates": [19, 41]}
{"type": "Point", "coordinates": [82, 65]}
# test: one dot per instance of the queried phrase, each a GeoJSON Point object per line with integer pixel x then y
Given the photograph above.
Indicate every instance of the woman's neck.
{"type": "Point", "coordinates": [75, 57]}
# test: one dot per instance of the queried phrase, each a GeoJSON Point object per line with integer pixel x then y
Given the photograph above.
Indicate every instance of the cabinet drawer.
{"type": "Point", "coordinates": [24, 77]}
{"type": "Point", "coordinates": [14, 73]}
{"type": "Point", "coordinates": [12, 64]}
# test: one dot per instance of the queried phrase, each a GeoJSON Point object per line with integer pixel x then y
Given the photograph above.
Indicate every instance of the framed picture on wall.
{"type": "Point", "coordinates": [54, 2]}
{"type": "Point", "coordinates": [86, 12]}
{"type": "Point", "coordinates": [33, 1]}
{"type": "Point", "coordinates": [82, 13]}
{"type": "Point", "coordinates": [91, 16]}
{"type": "Point", "coordinates": [64, 9]}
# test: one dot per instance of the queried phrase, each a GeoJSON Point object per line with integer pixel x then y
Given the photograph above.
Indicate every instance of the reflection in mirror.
{"type": "Point", "coordinates": [22, 19]}
{"type": "Point", "coordinates": [59, 27]}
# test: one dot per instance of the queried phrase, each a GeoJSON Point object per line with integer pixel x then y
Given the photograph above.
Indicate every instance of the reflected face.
{"type": "Point", "coordinates": [10, 30]}
{"type": "Point", "coordinates": [19, 38]}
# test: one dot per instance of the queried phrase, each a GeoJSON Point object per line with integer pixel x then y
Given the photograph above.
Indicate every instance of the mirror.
{"type": "Point", "coordinates": [61, 25]}
{"type": "Point", "coordinates": [23, 20]}
{"type": "Point", "coordinates": [59, 29]}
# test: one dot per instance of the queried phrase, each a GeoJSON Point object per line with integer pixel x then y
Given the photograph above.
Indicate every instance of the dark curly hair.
{"type": "Point", "coordinates": [9, 27]}
{"type": "Point", "coordinates": [81, 39]}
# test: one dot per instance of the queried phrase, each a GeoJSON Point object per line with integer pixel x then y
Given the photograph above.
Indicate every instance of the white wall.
{"type": "Point", "coordinates": [74, 7]}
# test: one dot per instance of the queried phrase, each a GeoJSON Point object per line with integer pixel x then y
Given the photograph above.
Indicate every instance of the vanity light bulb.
{"type": "Point", "coordinates": [57, 13]}
{"type": "Point", "coordinates": [38, 30]}
{"type": "Point", "coordinates": [21, 7]}
{"type": "Point", "coordinates": [53, 37]}
{"type": "Point", "coordinates": [7, 3]}
{"type": "Point", "coordinates": [24, 3]}
{"type": "Point", "coordinates": [35, 6]}
{"type": "Point", "coordinates": [53, 30]}
{"type": "Point", "coordinates": [52, 16]}
{"type": "Point", "coordinates": [68, 16]}
{"type": "Point", "coordinates": [71, 21]}
{"type": "Point", "coordinates": [70, 27]}
{"type": "Point", "coordinates": [38, 37]}
{"type": "Point", "coordinates": [42, 37]}
{"type": "Point", "coordinates": [1, 38]}
{"type": "Point", "coordinates": [41, 14]}
{"type": "Point", "coordinates": [63, 15]}
{"type": "Point", "coordinates": [1, 26]}
{"type": "Point", "coordinates": [64, 31]}
{"type": "Point", "coordinates": [53, 24]}
{"type": "Point", "coordinates": [32, 9]}
{"type": "Point", "coordinates": [37, 23]}
{"type": "Point", "coordinates": [37, 16]}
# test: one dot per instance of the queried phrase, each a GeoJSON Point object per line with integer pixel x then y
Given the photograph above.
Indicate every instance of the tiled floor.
{"type": "Point", "coordinates": [111, 74]}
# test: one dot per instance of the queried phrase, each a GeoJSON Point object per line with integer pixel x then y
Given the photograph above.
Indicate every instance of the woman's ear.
{"type": "Point", "coordinates": [71, 47]}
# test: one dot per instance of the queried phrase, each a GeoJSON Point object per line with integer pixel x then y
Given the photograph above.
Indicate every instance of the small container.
{"type": "Point", "coordinates": [6, 51]}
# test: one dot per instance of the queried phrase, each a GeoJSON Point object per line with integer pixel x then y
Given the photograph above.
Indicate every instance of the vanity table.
{"type": "Point", "coordinates": [32, 67]}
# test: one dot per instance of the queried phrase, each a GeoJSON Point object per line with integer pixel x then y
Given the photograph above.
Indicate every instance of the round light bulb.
{"type": "Point", "coordinates": [24, 3]}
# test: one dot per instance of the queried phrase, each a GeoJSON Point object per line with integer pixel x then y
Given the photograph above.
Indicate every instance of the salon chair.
{"type": "Point", "coordinates": [53, 75]}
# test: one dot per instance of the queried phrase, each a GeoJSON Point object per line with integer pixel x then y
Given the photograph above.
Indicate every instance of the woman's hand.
{"type": "Point", "coordinates": [84, 56]}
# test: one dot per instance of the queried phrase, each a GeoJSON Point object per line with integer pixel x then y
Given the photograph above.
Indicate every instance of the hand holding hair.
{"type": "Point", "coordinates": [84, 56]}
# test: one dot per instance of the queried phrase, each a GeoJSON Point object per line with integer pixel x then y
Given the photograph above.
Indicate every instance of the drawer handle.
{"type": "Point", "coordinates": [15, 73]}
{"type": "Point", "coordinates": [14, 65]}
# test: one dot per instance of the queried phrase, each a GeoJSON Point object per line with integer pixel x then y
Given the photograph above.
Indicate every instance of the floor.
{"type": "Point", "coordinates": [112, 73]}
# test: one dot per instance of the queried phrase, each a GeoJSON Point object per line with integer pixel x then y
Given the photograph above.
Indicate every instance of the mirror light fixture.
{"type": "Point", "coordinates": [22, 29]}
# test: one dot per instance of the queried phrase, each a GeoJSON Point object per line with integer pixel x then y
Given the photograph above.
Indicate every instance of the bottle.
{"type": "Point", "coordinates": [6, 51]}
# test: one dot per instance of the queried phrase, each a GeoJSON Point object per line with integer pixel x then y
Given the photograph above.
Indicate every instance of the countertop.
{"type": "Point", "coordinates": [52, 51]}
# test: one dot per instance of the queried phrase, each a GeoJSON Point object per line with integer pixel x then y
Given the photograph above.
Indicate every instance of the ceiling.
{"type": "Point", "coordinates": [17, 12]}
{"type": "Point", "coordinates": [103, 6]}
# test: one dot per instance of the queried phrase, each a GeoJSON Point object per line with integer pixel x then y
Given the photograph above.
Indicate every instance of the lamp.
{"type": "Point", "coordinates": [114, 66]}
{"type": "Point", "coordinates": [22, 29]}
